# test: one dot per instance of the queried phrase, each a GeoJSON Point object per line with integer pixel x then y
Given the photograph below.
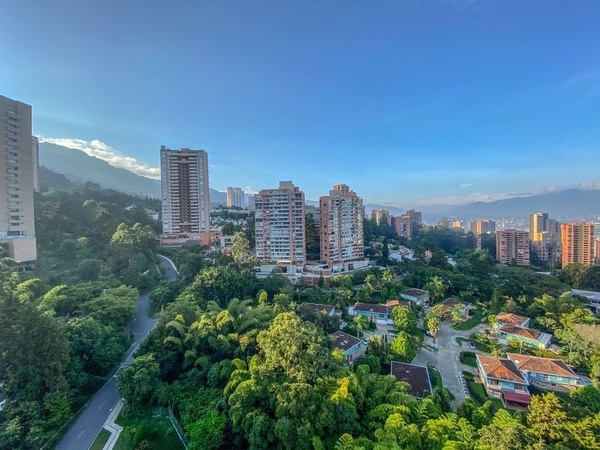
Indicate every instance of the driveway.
{"type": "Point", "coordinates": [447, 358]}
{"type": "Point", "coordinates": [93, 416]}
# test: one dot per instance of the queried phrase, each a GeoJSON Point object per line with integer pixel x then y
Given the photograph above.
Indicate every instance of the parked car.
{"type": "Point", "coordinates": [471, 346]}
{"type": "Point", "coordinates": [428, 333]}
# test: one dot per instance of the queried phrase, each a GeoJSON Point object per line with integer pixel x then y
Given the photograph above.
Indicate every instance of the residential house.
{"type": "Point", "coordinates": [454, 304]}
{"type": "Point", "coordinates": [350, 345]}
{"type": "Point", "coordinates": [418, 296]}
{"type": "Point", "coordinates": [378, 313]}
{"type": "Point", "coordinates": [511, 319]}
{"type": "Point", "coordinates": [415, 375]}
{"type": "Point", "coordinates": [527, 336]}
{"type": "Point", "coordinates": [502, 379]}
{"type": "Point", "coordinates": [317, 308]}
{"type": "Point", "coordinates": [546, 373]}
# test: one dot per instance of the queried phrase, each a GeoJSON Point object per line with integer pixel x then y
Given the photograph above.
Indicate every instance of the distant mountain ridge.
{"type": "Point", "coordinates": [567, 204]}
{"type": "Point", "coordinates": [79, 167]}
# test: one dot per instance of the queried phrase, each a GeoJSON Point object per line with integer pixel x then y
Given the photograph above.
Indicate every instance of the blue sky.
{"type": "Point", "coordinates": [409, 102]}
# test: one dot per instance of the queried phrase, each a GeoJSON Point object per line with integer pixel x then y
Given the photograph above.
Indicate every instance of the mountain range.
{"type": "Point", "coordinates": [79, 168]}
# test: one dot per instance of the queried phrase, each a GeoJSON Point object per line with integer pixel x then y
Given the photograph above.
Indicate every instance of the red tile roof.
{"type": "Point", "coordinates": [343, 341]}
{"type": "Point", "coordinates": [394, 303]}
{"type": "Point", "coordinates": [517, 397]}
{"type": "Point", "coordinates": [500, 368]}
{"type": "Point", "coordinates": [511, 319]}
{"type": "Point", "coordinates": [416, 376]}
{"type": "Point", "coordinates": [521, 331]}
{"type": "Point", "coordinates": [548, 366]}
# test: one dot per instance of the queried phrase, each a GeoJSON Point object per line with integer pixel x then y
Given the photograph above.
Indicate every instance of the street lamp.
{"type": "Point", "coordinates": [128, 329]}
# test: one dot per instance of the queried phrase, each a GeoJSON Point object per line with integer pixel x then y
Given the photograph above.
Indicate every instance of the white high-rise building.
{"type": "Point", "coordinates": [280, 224]}
{"type": "Point", "coordinates": [17, 224]}
{"type": "Point", "coordinates": [342, 214]}
{"type": "Point", "coordinates": [235, 197]}
{"type": "Point", "coordinates": [184, 190]}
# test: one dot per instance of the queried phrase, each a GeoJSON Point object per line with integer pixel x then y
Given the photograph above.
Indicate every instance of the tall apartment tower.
{"type": "Point", "coordinates": [35, 155]}
{"type": "Point", "coordinates": [184, 190]}
{"type": "Point", "coordinates": [406, 224]}
{"type": "Point", "coordinates": [17, 225]}
{"type": "Point", "coordinates": [512, 245]}
{"type": "Point", "coordinates": [538, 223]}
{"type": "Point", "coordinates": [577, 242]}
{"type": "Point", "coordinates": [235, 197]}
{"type": "Point", "coordinates": [479, 227]}
{"type": "Point", "coordinates": [342, 214]}
{"type": "Point", "coordinates": [381, 216]}
{"type": "Point", "coordinates": [279, 228]}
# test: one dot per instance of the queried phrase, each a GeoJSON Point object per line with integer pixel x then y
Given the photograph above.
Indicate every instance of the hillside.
{"type": "Point", "coordinates": [567, 204]}
{"type": "Point", "coordinates": [79, 168]}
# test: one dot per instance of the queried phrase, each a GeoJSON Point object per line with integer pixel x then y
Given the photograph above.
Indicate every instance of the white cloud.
{"type": "Point", "coordinates": [106, 153]}
{"type": "Point", "coordinates": [466, 185]}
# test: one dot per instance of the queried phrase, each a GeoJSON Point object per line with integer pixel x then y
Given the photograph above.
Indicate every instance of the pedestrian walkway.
{"type": "Point", "coordinates": [114, 429]}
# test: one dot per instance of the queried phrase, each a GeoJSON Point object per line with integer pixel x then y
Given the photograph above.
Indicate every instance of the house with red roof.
{"type": "Point", "coordinates": [502, 379]}
{"type": "Point", "coordinates": [546, 373]}
{"type": "Point", "coordinates": [527, 336]}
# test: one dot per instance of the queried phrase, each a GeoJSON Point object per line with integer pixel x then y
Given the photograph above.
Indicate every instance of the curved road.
{"type": "Point", "coordinates": [87, 426]}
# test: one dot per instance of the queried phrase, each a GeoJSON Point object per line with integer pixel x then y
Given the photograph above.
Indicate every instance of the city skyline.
{"type": "Point", "coordinates": [410, 103]}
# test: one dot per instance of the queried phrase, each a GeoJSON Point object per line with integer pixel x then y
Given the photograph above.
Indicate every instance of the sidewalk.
{"type": "Point", "coordinates": [112, 427]}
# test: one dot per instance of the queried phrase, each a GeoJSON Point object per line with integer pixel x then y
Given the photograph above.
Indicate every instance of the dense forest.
{"type": "Point", "coordinates": [63, 327]}
{"type": "Point", "coordinates": [241, 367]}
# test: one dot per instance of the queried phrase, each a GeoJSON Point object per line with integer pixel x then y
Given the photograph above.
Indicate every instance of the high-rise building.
{"type": "Point", "coordinates": [381, 216]}
{"type": "Point", "coordinates": [342, 213]}
{"type": "Point", "coordinates": [512, 245]}
{"type": "Point", "coordinates": [235, 197]}
{"type": "Point", "coordinates": [479, 227]}
{"type": "Point", "coordinates": [185, 192]}
{"type": "Point", "coordinates": [406, 224]}
{"type": "Point", "coordinates": [538, 223]}
{"type": "Point", "coordinates": [545, 242]}
{"type": "Point", "coordinates": [279, 224]}
{"type": "Point", "coordinates": [35, 155]}
{"type": "Point", "coordinates": [17, 225]}
{"type": "Point", "coordinates": [577, 243]}
{"type": "Point", "coordinates": [597, 250]}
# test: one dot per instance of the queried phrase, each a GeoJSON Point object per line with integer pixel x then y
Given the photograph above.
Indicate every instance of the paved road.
{"type": "Point", "coordinates": [447, 360]}
{"type": "Point", "coordinates": [87, 426]}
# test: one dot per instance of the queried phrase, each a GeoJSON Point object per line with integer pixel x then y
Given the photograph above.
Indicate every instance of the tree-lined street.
{"type": "Point", "coordinates": [82, 433]}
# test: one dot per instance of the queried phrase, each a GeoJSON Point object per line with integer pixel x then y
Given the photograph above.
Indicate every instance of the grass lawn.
{"type": "Point", "coordinates": [436, 377]}
{"type": "Point", "coordinates": [481, 346]}
{"type": "Point", "coordinates": [472, 322]}
{"type": "Point", "coordinates": [100, 440]}
{"type": "Point", "coordinates": [468, 358]}
{"type": "Point", "coordinates": [478, 393]}
{"type": "Point", "coordinates": [157, 419]}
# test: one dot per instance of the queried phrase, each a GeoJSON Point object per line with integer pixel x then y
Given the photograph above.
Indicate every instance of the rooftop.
{"type": "Point", "coordinates": [500, 369]}
{"type": "Point", "coordinates": [527, 333]}
{"type": "Point", "coordinates": [397, 302]}
{"type": "Point", "coordinates": [452, 302]}
{"type": "Point", "coordinates": [548, 366]}
{"type": "Point", "coordinates": [512, 319]}
{"type": "Point", "coordinates": [316, 307]}
{"type": "Point", "coordinates": [416, 376]}
{"type": "Point", "coordinates": [343, 341]}
{"type": "Point", "coordinates": [368, 307]}
{"type": "Point", "coordinates": [414, 292]}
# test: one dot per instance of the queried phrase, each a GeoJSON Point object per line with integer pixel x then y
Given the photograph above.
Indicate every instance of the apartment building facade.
{"type": "Point", "coordinates": [280, 224]}
{"type": "Point", "coordinates": [17, 181]}
{"type": "Point", "coordinates": [341, 228]}
{"type": "Point", "coordinates": [235, 197]}
{"type": "Point", "coordinates": [512, 245]}
{"type": "Point", "coordinates": [185, 191]}
{"type": "Point", "coordinates": [577, 243]}
{"type": "Point", "coordinates": [407, 224]}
